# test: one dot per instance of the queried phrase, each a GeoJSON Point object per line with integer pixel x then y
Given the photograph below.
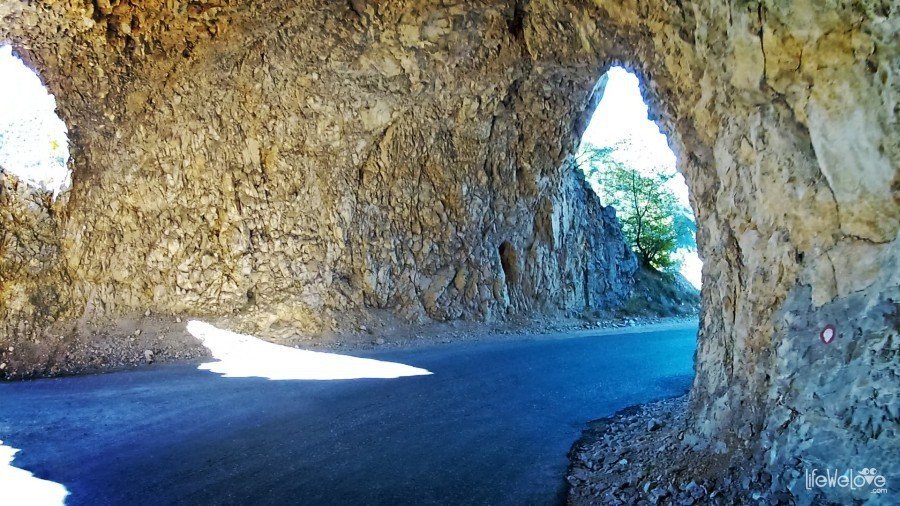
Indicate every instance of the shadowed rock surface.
{"type": "Point", "coordinates": [333, 167]}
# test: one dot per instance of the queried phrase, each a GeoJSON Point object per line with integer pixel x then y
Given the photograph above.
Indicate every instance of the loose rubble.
{"type": "Point", "coordinates": [640, 456]}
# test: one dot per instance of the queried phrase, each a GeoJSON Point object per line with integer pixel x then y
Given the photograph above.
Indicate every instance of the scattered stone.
{"type": "Point", "coordinates": [657, 471]}
{"type": "Point", "coordinates": [695, 490]}
{"type": "Point", "coordinates": [581, 474]}
{"type": "Point", "coordinates": [148, 355]}
{"type": "Point", "coordinates": [379, 341]}
{"type": "Point", "coordinates": [656, 494]}
{"type": "Point", "coordinates": [765, 479]}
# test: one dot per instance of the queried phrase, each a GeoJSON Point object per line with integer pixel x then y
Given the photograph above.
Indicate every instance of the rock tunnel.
{"type": "Point", "coordinates": [277, 164]}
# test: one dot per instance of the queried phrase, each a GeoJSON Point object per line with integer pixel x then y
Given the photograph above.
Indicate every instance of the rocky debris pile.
{"type": "Point", "coordinates": [128, 343]}
{"type": "Point", "coordinates": [661, 294]}
{"type": "Point", "coordinates": [641, 455]}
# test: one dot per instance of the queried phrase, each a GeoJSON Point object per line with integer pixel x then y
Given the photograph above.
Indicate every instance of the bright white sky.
{"type": "Point", "coordinates": [35, 146]}
{"type": "Point", "coordinates": [621, 115]}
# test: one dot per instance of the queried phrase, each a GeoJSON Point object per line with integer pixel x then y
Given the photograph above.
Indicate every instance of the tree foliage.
{"type": "Point", "coordinates": [653, 220]}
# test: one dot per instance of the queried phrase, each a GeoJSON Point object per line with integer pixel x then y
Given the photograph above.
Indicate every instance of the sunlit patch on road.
{"type": "Point", "coordinates": [245, 356]}
{"type": "Point", "coordinates": [18, 486]}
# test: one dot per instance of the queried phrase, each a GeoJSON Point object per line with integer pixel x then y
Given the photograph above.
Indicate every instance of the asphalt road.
{"type": "Point", "coordinates": [491, 425]}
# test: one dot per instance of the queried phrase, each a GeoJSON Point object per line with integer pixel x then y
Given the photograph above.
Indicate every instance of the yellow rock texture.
{"type": "Point", "coordinates": [280, 162]}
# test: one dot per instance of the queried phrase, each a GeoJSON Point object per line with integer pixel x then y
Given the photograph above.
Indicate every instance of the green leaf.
{"type": "Point", "coordinates": [653, 221]}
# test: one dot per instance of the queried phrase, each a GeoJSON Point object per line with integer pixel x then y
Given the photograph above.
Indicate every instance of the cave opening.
{"type": "Point", "coordinates": [628, 162]}
{"type": "Point", "coordinates": [509, 260]}
{"type": "Point", "coordinates": [34, 144]}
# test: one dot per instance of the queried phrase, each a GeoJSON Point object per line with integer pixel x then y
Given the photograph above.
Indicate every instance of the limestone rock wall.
{"type": "Point", "coordinates": [412, 160]}
{"type": "Point", "coordinates": [798, 196]}
{"type": "Point", "coordinates": [287, 158]}
{"type": "Point", "coordinates": [33, 282]}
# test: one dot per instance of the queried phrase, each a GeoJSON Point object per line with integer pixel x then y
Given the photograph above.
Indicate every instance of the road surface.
{"type": "Point", "coordinates": [491, 425]}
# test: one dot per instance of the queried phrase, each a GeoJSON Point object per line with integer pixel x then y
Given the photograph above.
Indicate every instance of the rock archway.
{"type": "Point", "coordinates": [279, 162]}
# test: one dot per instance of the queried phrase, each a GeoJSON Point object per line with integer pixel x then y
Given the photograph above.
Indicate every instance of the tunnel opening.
{"type": "Point", "coordinates": [629, 164]}
{"type": "Point", "coordinates": [34, 144]}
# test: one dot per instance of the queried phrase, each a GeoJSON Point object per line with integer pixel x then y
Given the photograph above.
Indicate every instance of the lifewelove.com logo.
{"type": "Point", "coordinates": [865, 479]}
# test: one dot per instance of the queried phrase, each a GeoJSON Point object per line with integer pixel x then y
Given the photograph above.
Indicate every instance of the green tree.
{"type": "Point", "coordinates": [651, 217]}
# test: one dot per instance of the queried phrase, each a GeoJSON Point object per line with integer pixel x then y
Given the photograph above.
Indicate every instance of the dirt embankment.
{"type": "Point", "coordinates": [661, 294]}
